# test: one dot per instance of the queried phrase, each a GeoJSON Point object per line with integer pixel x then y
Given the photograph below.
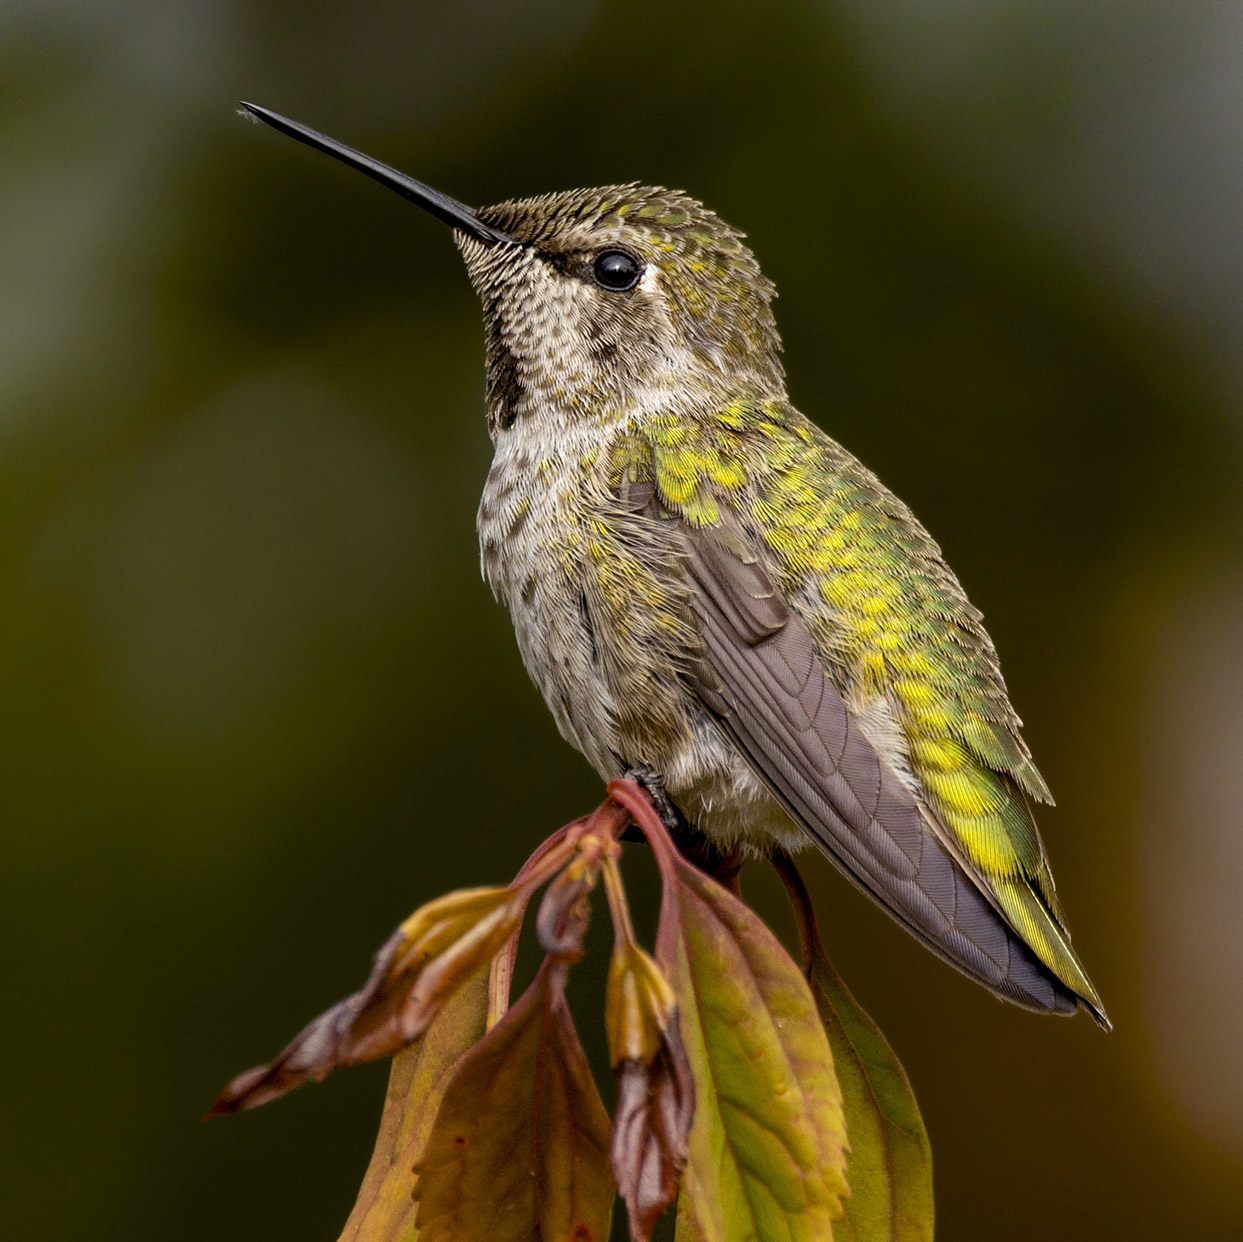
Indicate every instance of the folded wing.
{"type": "Point", "coordinates": [761, 677]}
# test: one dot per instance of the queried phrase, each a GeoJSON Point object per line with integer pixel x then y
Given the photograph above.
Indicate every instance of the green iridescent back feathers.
{"type": "Point", "coordinates": [889, 619]}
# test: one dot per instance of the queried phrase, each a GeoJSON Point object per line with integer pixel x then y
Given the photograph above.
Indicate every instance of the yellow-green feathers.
{"type": "Point", "coordinates": [892, 626]}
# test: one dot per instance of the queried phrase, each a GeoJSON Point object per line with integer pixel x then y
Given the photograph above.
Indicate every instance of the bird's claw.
{"type": "Point", "coordinates": [653, 784]}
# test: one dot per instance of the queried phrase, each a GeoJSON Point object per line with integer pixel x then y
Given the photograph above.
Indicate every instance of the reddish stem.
{"type": "Point", "coordinates": [619, 912]}
{"type": "Point", "coordinates": [637, 802]}
{"type": "Point", "coordinates": [698, 850]}
{"type": "Point", "coordinates": [501, 973]}
{"type": "Point", "coordinates": [800, 900]}
{"type": "Point", "coordinates": [608, 819]}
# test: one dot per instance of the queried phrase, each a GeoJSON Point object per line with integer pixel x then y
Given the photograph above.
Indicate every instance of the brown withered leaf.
{"type": "Point", "coordinates": [519, 1148]}
{"type": "Point", "coordinates": [503, 964]}
{"type": "Point", "coordinates": [385, 1207]}
{"type": "Point", "coordinates": [655, 1106]}
{"type": "Point", "coordinates": [655, 1090]}
{"type": "Point", "coordinates": [422, 964]}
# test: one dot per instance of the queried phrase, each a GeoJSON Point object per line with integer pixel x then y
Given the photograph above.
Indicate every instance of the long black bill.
{"type": "Point", "coordinates": [453, 213]}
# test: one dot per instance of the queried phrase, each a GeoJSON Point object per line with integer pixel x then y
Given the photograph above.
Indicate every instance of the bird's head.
{"type": "Point", "coordinates": [601, 302]}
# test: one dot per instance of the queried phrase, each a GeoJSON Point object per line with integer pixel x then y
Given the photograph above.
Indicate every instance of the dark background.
{"type": "Point", "coordinates": [256, 705]}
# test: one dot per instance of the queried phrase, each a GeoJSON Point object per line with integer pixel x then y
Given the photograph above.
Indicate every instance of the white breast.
{"type": "Point", "coordinates": [531, 551]}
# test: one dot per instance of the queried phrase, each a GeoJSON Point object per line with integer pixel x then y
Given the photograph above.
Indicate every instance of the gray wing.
{"type": "Point", "coordinates": [761, 678]}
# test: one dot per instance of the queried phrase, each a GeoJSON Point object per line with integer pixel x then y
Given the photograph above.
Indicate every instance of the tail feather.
{"type": "Point", "coordinates": [1048, 938]}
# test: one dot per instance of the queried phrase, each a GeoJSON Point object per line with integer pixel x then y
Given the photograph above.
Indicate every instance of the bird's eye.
{"type": "Point", "coordinates": [616, 270]}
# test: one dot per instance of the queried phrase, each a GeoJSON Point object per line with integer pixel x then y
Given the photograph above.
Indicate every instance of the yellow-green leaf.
{"type": "Point", "coordinates": [519, 1149]}
{"type": "Point", "coordinates": [766, 1154]}
{"type": "Point", "coordinates": [890, 1162]}
{"type": "Point", "coordinates": [385, 1208]}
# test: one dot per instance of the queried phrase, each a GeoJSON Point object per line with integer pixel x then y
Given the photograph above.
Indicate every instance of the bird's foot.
{"type": "Point", "coordinates": [653, 784]}
{"type": "Point", "coordinates": [722, 865]}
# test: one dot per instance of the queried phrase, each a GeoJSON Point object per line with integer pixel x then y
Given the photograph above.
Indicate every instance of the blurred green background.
{"type": "Point", "coordinates": [257, 704]}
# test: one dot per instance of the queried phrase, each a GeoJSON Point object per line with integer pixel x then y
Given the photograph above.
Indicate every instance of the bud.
{"type": "Point", "coordinates": [562, 920]}
{"type": "Point", "coordinates": [639, 1005]}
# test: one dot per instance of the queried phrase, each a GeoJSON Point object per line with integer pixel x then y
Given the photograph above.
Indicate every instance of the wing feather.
{"type": "Point", "coordinates": [761, 677]}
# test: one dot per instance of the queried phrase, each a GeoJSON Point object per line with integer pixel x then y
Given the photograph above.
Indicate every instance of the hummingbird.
{"type": "Point", "coordinates": [706, 586]}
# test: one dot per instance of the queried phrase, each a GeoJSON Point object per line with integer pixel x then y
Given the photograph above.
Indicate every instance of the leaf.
{"type": "Point", "coordinates": [767, 1149]}
{"type": "Point", "coordinates": [655, 1088]}
{"type": "Point", "coordinates": [519, 1148]}
{"type": "Point", "coordinates": [384, 1210]}
{"type": "Point", "coordinates": [421, 965]}
{"type": "Point", "coordinates": [651, 1128]}
{"type": "Point", "coordinates": [890, 1163]}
